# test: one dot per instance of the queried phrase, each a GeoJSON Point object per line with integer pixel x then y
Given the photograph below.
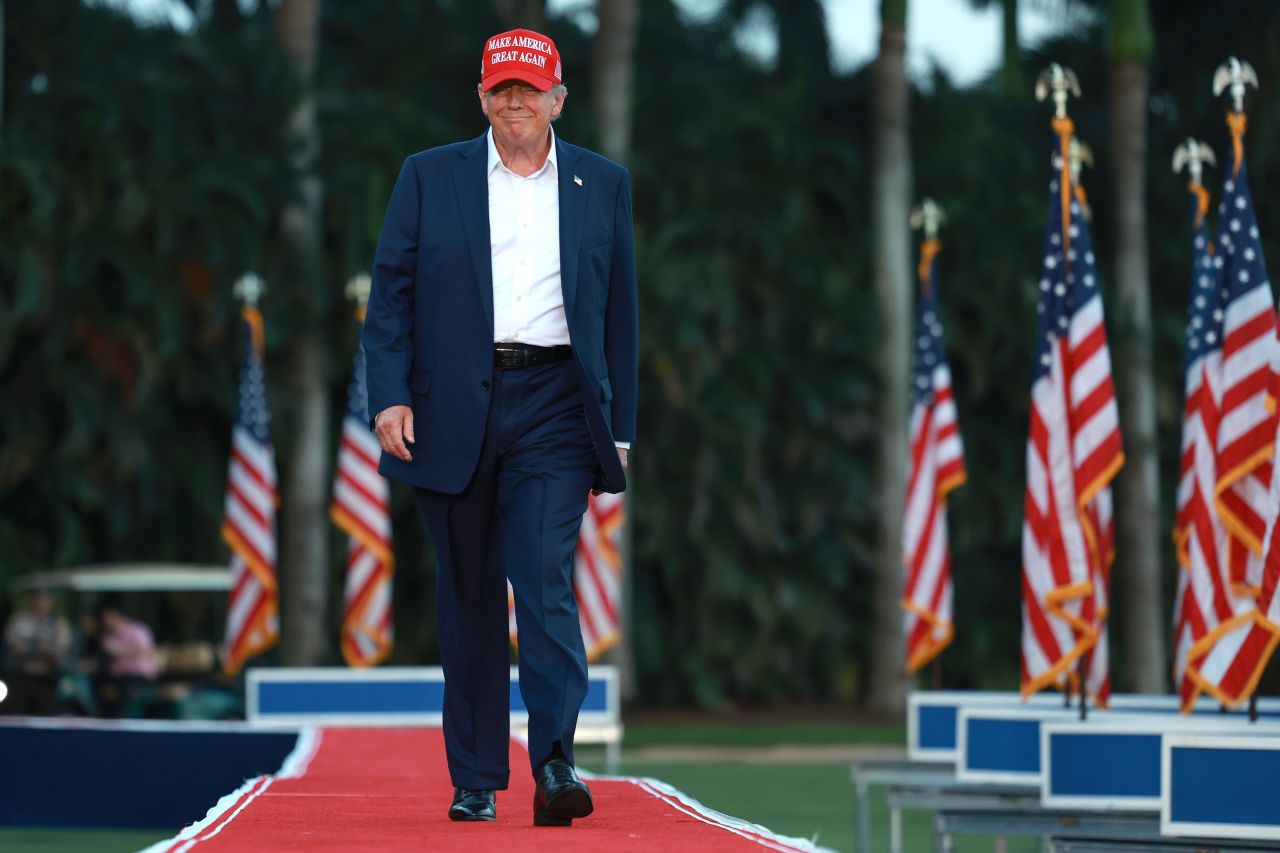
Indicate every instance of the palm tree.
{"type": "Point", "coordinates": [1138, 485]}
{"type": "Point", "coordinates": [891, 273]}
{"type": "Point", "coordinates": [1011, 79]}
{"type": "Point", "coordinates": [613, 90]}
{"type": "Point", "coordinates": [804, 53]}
{"type": "Point", "coordinates": [613, 75]}
{"type": "Point", "coordinates": [305, 527]}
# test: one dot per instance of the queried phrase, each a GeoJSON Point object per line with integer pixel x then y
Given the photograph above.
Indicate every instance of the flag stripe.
{"type": "Point", "coordinates": [249, 516]}
{"type": "Point", "coordinates": [1074, 450]}
{"type": "Point", "coordinates": [935, 467]}
{"type": "Point", "coordinates": [361, 508]}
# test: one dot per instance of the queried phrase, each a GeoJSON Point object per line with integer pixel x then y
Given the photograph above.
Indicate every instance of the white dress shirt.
{"type": "Point", "coordinates": [524, 240]}
{"type": "Point", "coordinates": [524, 245]}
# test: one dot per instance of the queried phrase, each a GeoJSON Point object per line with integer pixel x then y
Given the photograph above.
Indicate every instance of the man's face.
{"type": "Point", "coordinates": [519, 113]}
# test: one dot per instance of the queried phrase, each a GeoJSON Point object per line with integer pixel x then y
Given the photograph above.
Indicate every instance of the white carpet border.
{"type": "Point", "coordinates": [309, 738]}
{"type": "Point", "coordinates": [744, 828]}
{"type": "Point", "coordinates": [294, 766]}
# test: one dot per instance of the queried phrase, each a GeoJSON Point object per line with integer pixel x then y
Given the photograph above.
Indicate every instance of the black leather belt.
{"type": "Point", "coordinates": [512, 356]}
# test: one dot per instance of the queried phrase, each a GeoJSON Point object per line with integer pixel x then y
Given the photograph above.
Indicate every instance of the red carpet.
{"type": "Point", "coordinates": [388, 790]}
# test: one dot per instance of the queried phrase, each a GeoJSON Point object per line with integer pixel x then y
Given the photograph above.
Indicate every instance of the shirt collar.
{"type": "Point", "coordinates": [495, 161]}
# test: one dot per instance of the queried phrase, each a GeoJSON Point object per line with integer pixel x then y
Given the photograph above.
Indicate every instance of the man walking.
{"type": "Point", "coordinates": [501, 344]}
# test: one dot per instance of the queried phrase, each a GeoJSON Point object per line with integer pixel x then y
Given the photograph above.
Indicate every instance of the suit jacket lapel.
{"type": "Point", "coordinates": [472, 183]}
{"type": "Point", "coordinates": [573, 200]}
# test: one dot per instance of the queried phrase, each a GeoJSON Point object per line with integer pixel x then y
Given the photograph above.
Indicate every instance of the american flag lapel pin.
{"type": "Point", "coordinates": [577, 180]}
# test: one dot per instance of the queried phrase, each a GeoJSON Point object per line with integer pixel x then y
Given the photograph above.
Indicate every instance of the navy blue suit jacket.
{"type": "Point", "coordinates": [428, 331]}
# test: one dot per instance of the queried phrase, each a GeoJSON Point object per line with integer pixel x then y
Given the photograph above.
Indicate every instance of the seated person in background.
{"type": "Point", "coordinates": [129, 659]}
{"type": "Point", "coordinates": [37, 640]}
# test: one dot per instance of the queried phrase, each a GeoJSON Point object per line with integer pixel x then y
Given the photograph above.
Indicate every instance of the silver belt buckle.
{"type": "Point", "coordinates": [510, 359]}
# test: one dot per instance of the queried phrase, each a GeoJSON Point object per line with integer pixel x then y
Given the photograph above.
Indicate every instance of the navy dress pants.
{"type": "Point", "coordinates": [518, 519]}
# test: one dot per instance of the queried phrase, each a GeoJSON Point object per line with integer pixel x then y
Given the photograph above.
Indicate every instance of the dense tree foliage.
{"type": "Point", "coordinates": [142, 170]}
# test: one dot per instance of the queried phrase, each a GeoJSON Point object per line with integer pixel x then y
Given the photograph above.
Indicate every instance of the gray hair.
{"type": "Point", "coordinates": [558, 91]}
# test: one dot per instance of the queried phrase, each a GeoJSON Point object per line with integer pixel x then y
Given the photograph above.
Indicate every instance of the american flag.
{"type": "Point", "coordinates": [936, 467]}
{"type": "Point", "coordinates": [1225, 655]}
{"type": "Point", "coordinates": [1258, 640]}
{"type": "Point", "coordinates": [1264, 636]}
{"type": "Point", "coordinates": [1246, 431]}
{"type": "Point", "coordinates": [1097, 663]}
{"type": "Point", "coordinates": [597, 575]}
{"type": "Point", "coordinates": [1073, 453]}
{"type": "Point", "coordinates": [1205, 599]}
{"type": "Point", "coordinates": [249, 524]}
{"type": "Point", "coordinates": [1100, 518]}
{"type": "Point", "coordinates": [361, 508]}
{"type": "Point", "coordinates": [1240, 648]}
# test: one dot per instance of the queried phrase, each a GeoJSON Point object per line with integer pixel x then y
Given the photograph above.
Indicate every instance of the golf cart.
{"type": "Point", "coordinates": [185, 607]}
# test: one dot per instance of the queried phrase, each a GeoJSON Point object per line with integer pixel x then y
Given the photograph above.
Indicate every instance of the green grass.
{"type": "Point", "coordinates": [813, 801]}
{"type": "Point", "coordinates": [78, 840]}
{"type": "Point", "coordinates": [810, 801]}
{"type": "Point", "coordinates": [800, 800]}
{"type": "Point", "coordinates": [639, 735]}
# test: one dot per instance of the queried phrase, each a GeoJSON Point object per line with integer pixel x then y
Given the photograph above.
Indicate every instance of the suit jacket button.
{"type": "Point", "coordinates": [485, 385]}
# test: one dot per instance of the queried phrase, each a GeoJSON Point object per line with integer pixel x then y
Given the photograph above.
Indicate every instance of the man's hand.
{"type": "Point", "coordinates": [622, 457]}
{"type": "Point", "coordinates": [394, 427]}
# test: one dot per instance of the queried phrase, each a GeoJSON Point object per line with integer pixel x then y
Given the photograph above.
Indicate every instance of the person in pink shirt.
{"type": "Point", "coordinates": [128, 651]}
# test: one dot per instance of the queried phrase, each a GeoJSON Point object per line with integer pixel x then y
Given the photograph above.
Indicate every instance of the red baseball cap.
{"type": "Point", "coordinates": [520, 55]}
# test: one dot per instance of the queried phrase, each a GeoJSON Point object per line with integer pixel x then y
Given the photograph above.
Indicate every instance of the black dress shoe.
{"type": "Point", "coordinates": [560, 795]}
{"type": "Point", "coordinates": [472, 805]}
